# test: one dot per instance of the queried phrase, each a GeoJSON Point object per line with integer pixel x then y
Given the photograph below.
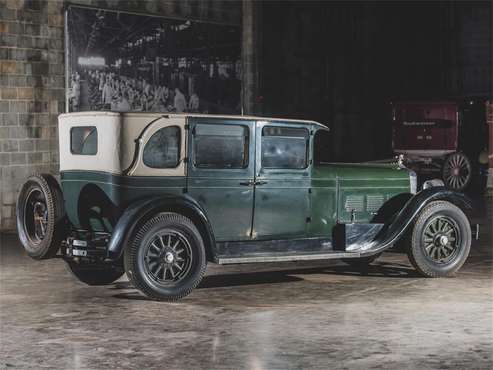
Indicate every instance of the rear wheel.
{"type": "Point", "coordinates": [457, 171]}
{"type": "Point", "coordinates": [95, 274]}
{"type": "Point", "coordinates": [41, 216]}
{"type": "Point", "coordinates": [166, 259]}
{"type": "Point", "coordinates": [440, 240]}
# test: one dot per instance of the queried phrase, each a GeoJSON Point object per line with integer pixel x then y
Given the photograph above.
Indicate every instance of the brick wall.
{"type": "Point", "coordinates": [32, 80]}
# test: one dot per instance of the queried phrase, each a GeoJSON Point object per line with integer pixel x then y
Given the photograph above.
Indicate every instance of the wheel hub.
{"type": "Point", "coordinates": [36, 216]}
{"type": "Point", "coordinates": [443, 240]}
{"type": "Point", "coordinates": [440, 239]}
{"type": "Point", "coordinates": [168, 257]}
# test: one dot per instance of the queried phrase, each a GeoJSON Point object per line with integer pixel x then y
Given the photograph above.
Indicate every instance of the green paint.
{"type": "Point", "coordinates": [79, 187]}
{"type": "Point", "coordinates": [288, 204]}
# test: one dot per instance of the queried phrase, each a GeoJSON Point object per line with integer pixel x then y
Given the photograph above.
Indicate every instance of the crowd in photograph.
{"type": "Point", "coordinates": [107, 90]}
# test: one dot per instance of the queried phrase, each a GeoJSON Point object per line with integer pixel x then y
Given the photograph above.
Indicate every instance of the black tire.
{"type": "Point", "coordinates": [41, 216]}
{"type": "Point", "coordinates": [361, 263]}
{"type": "Point", "coordinates": [161, 245]}
{"type": "Point", "coordinates": [95, 274]}
{"type": "Point", "coordinates": [457, 171]}
{"type": "Point", "coordinates": [440, 240]}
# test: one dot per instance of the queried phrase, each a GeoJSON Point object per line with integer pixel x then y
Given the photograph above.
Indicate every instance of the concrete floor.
{"type": "Point", "coordinates": [276, 316]}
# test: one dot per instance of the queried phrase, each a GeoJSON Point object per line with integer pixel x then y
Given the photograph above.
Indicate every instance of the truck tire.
{"type": "Point", "coordinates": [94, 273]}
{"type": "Point", "coordinates": [41, 216]}
{"type": "Point", "coordinates": [440, 240]}
{"type": "Point", "coordinates": [457, 171]}
{"type": "Point", "coordinates": [166, 258]}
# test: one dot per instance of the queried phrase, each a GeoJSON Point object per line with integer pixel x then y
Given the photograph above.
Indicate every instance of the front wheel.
{"type": "Point", "coordinates": [166, 259]}
{"type": "Point", "coordinates": [440, 240]}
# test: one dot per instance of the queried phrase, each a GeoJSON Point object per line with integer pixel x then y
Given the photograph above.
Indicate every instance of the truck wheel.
{"type": "Point", "coordinates": [41, 216]}
{"type": "Point", "coordinates": [166, 258]}
{"type": "Point", "coordinates": [95, 274]}
{"type": "Point", "coordinates": [361, 263]}
{"type": "Point", "coordinates": [440, 240]}
{"type": "Point", "coordinates": [457, 171]}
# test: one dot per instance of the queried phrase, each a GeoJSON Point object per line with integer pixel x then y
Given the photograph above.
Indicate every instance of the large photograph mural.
{"type": "Point", "coordinates": [128, 62]}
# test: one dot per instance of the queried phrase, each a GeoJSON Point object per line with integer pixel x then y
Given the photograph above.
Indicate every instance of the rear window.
{"type": "Point", "coordinates": [84, 140]}
{"type": "Point", "coordinates": [163, 148]}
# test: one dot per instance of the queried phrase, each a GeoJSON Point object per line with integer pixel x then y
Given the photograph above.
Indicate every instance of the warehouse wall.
{"type": "Point", "coordinates": [342, 63]}
{"type": "Point", "coordinates": [336, 62]}
{"type": "Point", "coordinates": [32, 80]}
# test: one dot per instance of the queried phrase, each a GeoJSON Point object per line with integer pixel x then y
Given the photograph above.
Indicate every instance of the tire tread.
{"type": "Point", "coordinates": [130, 257]}
{"type": "Point", "coordinates": [416, 259]}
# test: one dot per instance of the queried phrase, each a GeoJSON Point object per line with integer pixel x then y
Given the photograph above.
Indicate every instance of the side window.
{"type": "Point", "coordinates": [84, 140]}
{"type": "Point", "coordinates": [220, 146]}
{"type": "Point", "coordinates": [284, 147]}
{"type": "Point", "coordinates": [163, 148]}
{"type": "Point", "coordinates": [322, 147]}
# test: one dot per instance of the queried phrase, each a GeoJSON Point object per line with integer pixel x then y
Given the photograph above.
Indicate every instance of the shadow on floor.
{"type": "Point", "coordinates": [383, 269]}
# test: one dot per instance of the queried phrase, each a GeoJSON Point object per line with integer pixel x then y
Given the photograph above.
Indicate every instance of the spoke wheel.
{"type": "Point", "coordinates": [457, 171]}
{"type": "Point", "coordinates": [40, 216]}
{"type": "Point", "coordinates": [36, 216]}
{"type": "Point", "coordinates": [168, 257]}
{"type": "Point", "coordinates": [441, 239]}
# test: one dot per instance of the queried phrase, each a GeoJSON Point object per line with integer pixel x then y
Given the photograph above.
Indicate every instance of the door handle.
{"type": "Point", "coordinates": [251, 183]}
{"type": "Point", "coordinates": [247, 183]}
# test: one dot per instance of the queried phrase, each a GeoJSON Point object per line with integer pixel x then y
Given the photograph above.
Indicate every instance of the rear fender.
{"type": "Point", "coordinates": [141, 210]}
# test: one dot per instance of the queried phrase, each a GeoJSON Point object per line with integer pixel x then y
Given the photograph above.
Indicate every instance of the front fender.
{"type": "Point", "coordinates": [396, 228]}
{"type": "Point", "coordinates": [142, 209]}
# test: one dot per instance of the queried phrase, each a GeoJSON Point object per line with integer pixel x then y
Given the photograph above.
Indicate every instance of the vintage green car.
{"type": "Point", "coordinates": [158, 196]}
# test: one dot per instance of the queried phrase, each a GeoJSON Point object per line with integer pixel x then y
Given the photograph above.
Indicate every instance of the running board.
{"type": "Point", "coordinates": [287, 257]}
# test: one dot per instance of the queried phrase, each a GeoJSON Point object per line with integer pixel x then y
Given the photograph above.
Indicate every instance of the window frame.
{"type": "Point", "coordinates": [180, 142]}
{"type": "Point", "coordinates": [71, 140]}
{"type": "Point", "coordinates": [308, 159]}
{"type": "Point", "coordinates": [246, 147]}
{"type": "Point", "coordinates": [320, 131]}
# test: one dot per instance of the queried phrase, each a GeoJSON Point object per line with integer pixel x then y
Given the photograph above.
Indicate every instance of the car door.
{"type": "Point", "coordinates": [282, 181]}
{"type": "Point", "coordinates": [221, 173]}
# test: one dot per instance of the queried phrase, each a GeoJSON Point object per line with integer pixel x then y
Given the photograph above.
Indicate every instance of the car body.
{"type": "Point", "coordinates": [223, 189]}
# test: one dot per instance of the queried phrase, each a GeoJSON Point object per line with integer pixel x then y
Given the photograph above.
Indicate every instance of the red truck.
{"type": "Point", "coordinates": [444, 137]}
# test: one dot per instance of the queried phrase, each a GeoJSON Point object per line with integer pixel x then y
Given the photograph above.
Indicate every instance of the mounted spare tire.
{"type": "Point", "coordinates": [41, 216]}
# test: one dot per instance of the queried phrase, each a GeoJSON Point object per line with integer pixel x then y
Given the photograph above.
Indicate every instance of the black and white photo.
{"type": "Point", "coordinates": [126, 62]}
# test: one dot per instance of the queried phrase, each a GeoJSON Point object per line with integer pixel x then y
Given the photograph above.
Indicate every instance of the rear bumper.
{"type": "Point", "coordinates": [90, 246]}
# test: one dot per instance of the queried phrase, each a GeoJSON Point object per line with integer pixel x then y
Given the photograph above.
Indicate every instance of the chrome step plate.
{"type": "Point", "coordinates": [287, 258]}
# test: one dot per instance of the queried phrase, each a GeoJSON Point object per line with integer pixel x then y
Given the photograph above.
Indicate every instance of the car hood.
{"type": "Point", "coordinates": [362, 171]}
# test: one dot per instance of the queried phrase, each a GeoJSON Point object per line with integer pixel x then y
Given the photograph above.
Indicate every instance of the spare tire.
{"type": "Point", "coordinates": [41, 216]}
